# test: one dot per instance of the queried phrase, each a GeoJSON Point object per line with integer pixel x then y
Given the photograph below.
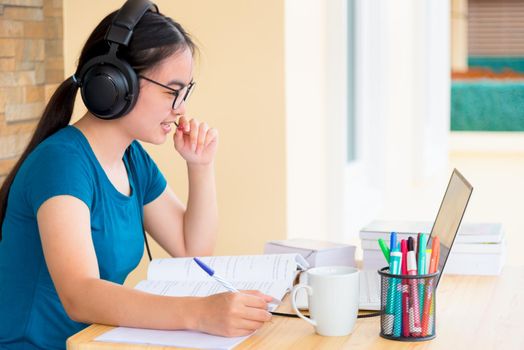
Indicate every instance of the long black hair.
{"type": "Point", "coordinates": [155, 38]}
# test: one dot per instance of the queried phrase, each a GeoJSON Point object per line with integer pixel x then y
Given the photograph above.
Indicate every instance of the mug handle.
{"type": "Point", "coordinates": [294, 305]}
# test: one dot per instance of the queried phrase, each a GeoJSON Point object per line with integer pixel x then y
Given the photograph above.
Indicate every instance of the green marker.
{"type": "Point", "coordinates": [384, 248]}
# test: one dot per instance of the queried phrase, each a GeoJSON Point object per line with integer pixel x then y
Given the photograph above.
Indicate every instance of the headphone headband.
{"type": "Point", "coordinates": [108, 84]}
{"type": "Point", "coordinates": [126, 19]}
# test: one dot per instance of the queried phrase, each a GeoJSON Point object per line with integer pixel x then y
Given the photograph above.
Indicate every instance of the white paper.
{"type": "Point", "coordinates": [233, 268]}
{"type": "Point", "coordinates": [275, 289]}
{"type": "Point", "coordinates": [185, 339]}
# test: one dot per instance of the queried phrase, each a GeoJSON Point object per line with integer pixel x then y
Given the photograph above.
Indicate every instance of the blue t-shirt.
{"type": "Point", "coordinates": [31, 314]}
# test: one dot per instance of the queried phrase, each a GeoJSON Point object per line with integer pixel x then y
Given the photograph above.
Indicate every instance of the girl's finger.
{"type": "Point", "coordinates": [202, 131]}
{"type": "Point", "coordinates": [265, 297]}
{"type": "Point", "coordinates": [182, 123]}
{"type": "Point", "coordinates": [178, 137]}
{"type": "Point", "coordinates": [193, 134]}
{"type": "Point", "coordinates": [211, 136]}
{"type": "Point", "coordinates": [256, 314]}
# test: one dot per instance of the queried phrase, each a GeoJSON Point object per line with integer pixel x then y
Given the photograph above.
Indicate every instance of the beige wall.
{"type": "Point", "coordinates": [240, 91]}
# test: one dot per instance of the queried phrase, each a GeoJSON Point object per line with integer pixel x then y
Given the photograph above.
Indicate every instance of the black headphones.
{"type": "Point", "coordinates": [108, 84]}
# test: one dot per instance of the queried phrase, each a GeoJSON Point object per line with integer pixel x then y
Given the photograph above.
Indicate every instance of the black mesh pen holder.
{"type": "Point", "coordinates": [408, 305]}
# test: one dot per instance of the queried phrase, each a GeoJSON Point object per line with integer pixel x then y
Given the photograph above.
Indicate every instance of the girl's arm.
{"type": "Point", "coordinates": [181, 231]}
{"type": "Point", "coordinates": [72, 263]}
{"type": "Point", "coordinates": [191, 231]}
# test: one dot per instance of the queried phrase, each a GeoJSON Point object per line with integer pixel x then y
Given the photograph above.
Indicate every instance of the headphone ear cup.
{"type": "Point", "coordinates": [109, 87]}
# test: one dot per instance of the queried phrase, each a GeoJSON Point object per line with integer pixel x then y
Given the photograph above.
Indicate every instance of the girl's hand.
{"type": "Point", "coordinates": [232, 314]}
{"type": "Point", "coordinates": [195, 141]}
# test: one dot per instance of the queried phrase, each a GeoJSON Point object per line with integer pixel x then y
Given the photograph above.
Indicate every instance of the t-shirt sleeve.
{"type": "Point", "coordinates": [153, 182]}
{"type": "Point", "coordinates": [54, 171]}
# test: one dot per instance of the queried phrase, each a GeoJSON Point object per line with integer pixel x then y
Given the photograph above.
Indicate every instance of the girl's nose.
{"type": "Point", "coordinates": [181, 109]}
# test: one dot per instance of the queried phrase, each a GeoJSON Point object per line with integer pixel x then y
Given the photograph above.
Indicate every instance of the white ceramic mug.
{"type": "Point", "coordinates": [333, 297]}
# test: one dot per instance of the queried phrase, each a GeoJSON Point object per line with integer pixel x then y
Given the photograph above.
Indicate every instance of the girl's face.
{"type": "Point", "coordinates": [152, 117]}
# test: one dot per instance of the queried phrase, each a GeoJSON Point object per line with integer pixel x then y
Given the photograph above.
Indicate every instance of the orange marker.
{"type": "Point", "coordinates": [433, 265]}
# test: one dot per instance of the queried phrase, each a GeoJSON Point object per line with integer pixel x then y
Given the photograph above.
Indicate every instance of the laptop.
{"type": "Point", "coordinates": [446, 226]}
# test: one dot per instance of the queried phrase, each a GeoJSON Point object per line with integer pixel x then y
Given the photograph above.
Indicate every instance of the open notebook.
{"type": "Point", "coordinates": [271, 274]}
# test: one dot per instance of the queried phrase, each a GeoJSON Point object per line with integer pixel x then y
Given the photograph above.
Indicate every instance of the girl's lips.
{"type": "Point", "coordinates": [166, 127]}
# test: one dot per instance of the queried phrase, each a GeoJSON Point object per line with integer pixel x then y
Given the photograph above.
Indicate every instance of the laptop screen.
{"type": "Point", "coordinates": [450, 215]}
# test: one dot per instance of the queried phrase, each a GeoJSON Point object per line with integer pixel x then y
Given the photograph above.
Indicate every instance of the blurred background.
{"type": "Point", "coordinates": [331, 113]}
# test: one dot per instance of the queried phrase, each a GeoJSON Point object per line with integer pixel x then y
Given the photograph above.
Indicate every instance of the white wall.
{"type": "Point", "coordinates": [316, 117]}
{"type": "Point", "coordinates": [402, 112]}
{"type": "Point", "coordinates": [338, 46]}
{"type": "Point", "coordinates": [403, 88]}
{"type": "Point", "coordinates": [306, 117]}
{"type": "Point", "coordinates": [434, 79]}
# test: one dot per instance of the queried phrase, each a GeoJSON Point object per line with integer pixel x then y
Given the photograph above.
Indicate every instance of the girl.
{"type": "Point", "coordinates": [73, 207]}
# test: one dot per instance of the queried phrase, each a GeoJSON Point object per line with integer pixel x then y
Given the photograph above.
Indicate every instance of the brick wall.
{"type": "Point", "coordinates": [31, 67]}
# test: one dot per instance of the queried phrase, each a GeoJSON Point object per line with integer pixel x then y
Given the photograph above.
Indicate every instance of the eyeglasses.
{"type": "Point", "coordinates": [183, 93]}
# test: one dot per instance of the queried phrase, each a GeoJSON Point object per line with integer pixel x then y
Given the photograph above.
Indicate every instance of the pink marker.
{"type": "Point", "coordinates": [405, 290]}
{"type": "Point", "coordinates": [413, 294]}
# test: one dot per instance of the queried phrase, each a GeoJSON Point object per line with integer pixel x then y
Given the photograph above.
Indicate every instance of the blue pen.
{"type": "Point", "coordinates": [392, 241]}
{"type": "Point", "coordinates": [225, 283]}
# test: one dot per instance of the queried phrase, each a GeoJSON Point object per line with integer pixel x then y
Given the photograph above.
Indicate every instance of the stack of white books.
{"type": "Point", "coordinates": [315, 252]}
{"type": "Point", "coordinates": [479, 248]}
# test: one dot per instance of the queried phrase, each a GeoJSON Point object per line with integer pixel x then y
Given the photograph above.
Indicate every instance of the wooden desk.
{"type": "Point", "coordinates": [473, 312]}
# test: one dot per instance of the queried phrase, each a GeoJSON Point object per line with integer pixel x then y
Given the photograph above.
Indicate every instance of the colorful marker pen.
{"type": "Point", "coordinates": [414, 302]}
{"type": "Point", "coordinates": [428, 299]}
{"type": "Point", "coordinates": [392, 242]}
{"type": "Point", "coordinates": [396, 262]}
{"type": "Point", "coordinates": [428, 260]}
{"type": "Point", "coordinates": [422, 255]}
{"type": "Point", "coordinates": [389, 316]}
{"type": "Point", "coordinates": [417, 247]}
{"type": "Point", "coordinates": [411, 320]}
{"type": "Point", "coordinates": [422, 268]}
{"type": "Point", "coordinates": [431, 323]}
{"type": "Point", "coordinates": [384, 248]}
{"type": "Point", "coordinates": [405, 286]}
